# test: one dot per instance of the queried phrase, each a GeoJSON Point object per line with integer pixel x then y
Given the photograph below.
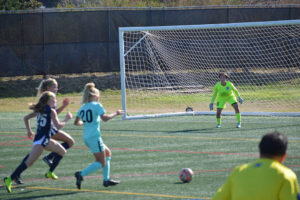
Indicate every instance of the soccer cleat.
{"type": "Point", "coordinates": [238, 125]}
{"type": "Point", "coordinates": [110, 183]}
{"type": "Point", "coordinates": [8, 182]}
{"type": "Point", "coordinates": [48, 161]}
{"type": "Point", "coordinates": [218, 126]}
{"type": "Point", "coordinates": [50, 174]}
{"type": "Point", "coordinates": [19, 181]}
{"type": "Point", "coordinates": [79, 179]}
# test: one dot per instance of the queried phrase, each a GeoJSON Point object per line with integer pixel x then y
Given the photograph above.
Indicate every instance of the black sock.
{"type": "Point", "coordinates": [24, 159]}
{"type": "Point", "coordinates": [56, 161]}
{"type": "Point", "coordinates": [65, 145]}
{"type": "Point", "coordinates": [52, 155]}
{"type": "Point", "coordinates": [18, 170]}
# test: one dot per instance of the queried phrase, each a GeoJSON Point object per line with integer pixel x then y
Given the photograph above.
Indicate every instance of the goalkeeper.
{"type": "Point", "coordinates": [225, 91]}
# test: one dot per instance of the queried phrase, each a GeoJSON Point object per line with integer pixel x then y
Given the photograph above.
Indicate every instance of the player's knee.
{"type": "Point", "coordinates": [107, 153]}
{"type": "Point", "coordinates": [62, 152]}
{"type": "Point", "coordinates": [71, 142]}
{"type": "Point", "coordinates": [102, 162]}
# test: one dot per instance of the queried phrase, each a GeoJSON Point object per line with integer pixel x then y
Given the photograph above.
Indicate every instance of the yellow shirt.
{"type": "Point", "coordinates": [264, 179]}
{"type": "Point", "coordinates": [223, 92]}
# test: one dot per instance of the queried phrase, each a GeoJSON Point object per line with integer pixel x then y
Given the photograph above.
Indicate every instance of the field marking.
{"type": "Point", "coordinates": [14, 141]}
{"type": "Point", "coordinates": [134, 175]}
{"type": "Point", "coordinates": [186, 137]}
{"type": "Point", "coordinates": [171, 136]}
{"type": "Point", "coordinates": [190, 152]}
{"type": "Point", "coordinates": [160, 150]}
{"type": "Point", "coordinates": [8, 143]}
{"type": "Point", "coordinates": [194, 137]}
{"type": "Point", "coordinates": [125, 175]}
{"type": "Point", "coordinates": [116, 192]}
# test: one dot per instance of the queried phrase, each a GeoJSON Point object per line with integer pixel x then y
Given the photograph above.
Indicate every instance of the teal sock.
{"type": "Point", "coordinates": [106, 169]}
{"type": "Point", "coordinates": [92, 168]}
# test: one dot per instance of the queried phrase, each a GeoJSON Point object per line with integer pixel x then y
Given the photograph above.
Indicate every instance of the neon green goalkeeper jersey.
{"type": "Point", "coordinates": [264, 179]}
{"type": "Point", "coordinates": [224, 92]}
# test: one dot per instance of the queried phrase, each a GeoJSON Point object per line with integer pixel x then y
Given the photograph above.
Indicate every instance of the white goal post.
{"type": "Point", "coordinates": [171, 70]}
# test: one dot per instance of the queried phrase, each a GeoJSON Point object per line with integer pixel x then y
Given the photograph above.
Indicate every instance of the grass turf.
{"type": "Point", "coordinates": [146, 156]}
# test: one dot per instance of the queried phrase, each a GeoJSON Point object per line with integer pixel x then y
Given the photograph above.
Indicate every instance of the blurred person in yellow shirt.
{"type": "Point", "coordinates": [264, 179]}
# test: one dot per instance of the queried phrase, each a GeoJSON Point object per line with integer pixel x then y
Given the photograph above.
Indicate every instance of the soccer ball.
{"type": "Point", "coordinates": [189, 109]}
{"type": "Point", "coordinates": [186, 175]}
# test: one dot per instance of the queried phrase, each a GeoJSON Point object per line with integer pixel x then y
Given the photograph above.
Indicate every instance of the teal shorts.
{"type": "Point", "coordinates": [95, 144]}
{"type": "Point", "coordinates": [221, 103]}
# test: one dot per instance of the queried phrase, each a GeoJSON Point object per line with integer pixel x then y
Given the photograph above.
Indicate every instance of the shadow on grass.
{"type": "Point", "coordinates": [203, 130]}
{"type": "Point", "coordinates": [180, 183]}
{"type": "Point", "coordinates": [21, 194]}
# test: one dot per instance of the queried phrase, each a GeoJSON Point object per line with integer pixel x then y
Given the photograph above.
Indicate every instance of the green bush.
{"type": "Point", "coordinates": [19, 4]}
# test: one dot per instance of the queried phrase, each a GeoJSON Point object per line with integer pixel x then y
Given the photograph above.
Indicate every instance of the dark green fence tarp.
{"type": "Point", "coordinates": [76, 41]}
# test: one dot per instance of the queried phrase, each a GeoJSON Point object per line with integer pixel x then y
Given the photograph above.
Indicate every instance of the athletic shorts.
{"type": "Point", "coordinates": [221, 103]}
{"type": "Point", "coordinates": [95, 144]}
{"type": "Point", "coordinates": [53, 131]}
{"type": "Point", "coordinates": [43, 141]}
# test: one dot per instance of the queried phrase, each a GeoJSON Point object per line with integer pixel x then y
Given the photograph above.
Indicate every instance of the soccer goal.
{"type": "Point", "coordinates": [171, 70]}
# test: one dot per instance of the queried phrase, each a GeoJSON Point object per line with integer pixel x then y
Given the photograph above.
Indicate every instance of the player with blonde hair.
{"type": "Point", "coordinates": [224, 91]}
{"type": "Point", "coordinates": [51, 85]}
{"type": "Point", "coordinates": [46, 115]}
{"type": "Point", "coordinates": [89, 116]}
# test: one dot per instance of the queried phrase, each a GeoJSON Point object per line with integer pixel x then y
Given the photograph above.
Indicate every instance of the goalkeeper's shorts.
{"type": "Point", "coordinates": [221, 102]}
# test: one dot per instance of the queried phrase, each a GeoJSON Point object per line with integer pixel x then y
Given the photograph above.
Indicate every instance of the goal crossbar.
{"type": "Point", "coordinates": [159, 61]}
{"type": "Point", "coordinates": [210, 26]}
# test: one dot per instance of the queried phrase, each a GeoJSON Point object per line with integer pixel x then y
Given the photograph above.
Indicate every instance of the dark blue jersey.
{"type": "Point", "coordinates": [43, 124]}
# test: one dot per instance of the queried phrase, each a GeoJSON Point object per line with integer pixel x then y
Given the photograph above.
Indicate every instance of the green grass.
{"type": "Point", "coordinates": [267, 98]}
{"type": "Point", "coordinates": [147, 155]}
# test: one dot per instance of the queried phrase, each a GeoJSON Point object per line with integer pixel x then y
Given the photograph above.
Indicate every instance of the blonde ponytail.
{"type": "Point", "coordinates": [45, 84]}
{"type": "Point", "coordinates": [89, 91]}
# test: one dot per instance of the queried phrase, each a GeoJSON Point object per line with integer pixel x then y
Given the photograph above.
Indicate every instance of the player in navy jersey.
{"type": "Point", "coordinates": [89, 116]}
{"type": "Point", "coordinates": [42, 139]}
{"type": "Point", "coordinates": [51, 85]}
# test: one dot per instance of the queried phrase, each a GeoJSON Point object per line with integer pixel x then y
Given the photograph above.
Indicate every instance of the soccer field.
{"type": "Point", "coordinates": [146, 156]}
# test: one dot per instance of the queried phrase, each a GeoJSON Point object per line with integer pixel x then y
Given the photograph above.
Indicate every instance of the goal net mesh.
{"type": "Point", "coordinates": [166, 71]}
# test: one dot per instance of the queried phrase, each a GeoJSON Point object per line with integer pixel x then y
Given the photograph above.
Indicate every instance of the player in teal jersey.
{"type": "Point", "coordinates": [265, 178]}
{"type": "Point", "coordinates": [89, 116]}
{"type": "Point", "coordinates": [225, 91]}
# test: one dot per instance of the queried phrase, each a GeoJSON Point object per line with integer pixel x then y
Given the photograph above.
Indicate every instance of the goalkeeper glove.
{"type": "Point", "coordinates": [241, 100]}
{"type": "Point", "coordinates": [211, 106]}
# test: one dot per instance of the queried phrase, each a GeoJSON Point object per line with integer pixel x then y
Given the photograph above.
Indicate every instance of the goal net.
{"type": "Point", "coordinates": [171, 70]}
